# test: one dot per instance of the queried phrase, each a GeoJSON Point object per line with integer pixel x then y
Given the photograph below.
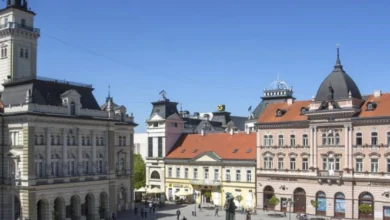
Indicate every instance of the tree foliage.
{"type": "Point", "coordinates": [365, 208]}
{"type": "Point", "coordinates": [139, 171]}
{"type": "Point", "coordinates": [315, 203]}
{"type": "Point", "coordinates": [273, 201]}
{"type": "Point", "coordinates": [239, 198]}
{"type": "Point", "coordinates": [207, 194]}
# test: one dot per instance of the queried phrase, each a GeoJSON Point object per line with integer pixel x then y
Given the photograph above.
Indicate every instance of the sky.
{"type": "Point", "coordinates": [209, 52]}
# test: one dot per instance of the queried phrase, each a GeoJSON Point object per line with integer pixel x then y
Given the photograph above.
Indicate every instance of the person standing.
{"type": "Point", "coordinates": [216, 211]}
{"type": "Point", "coordinates": [150, 207]}
{"type": "Point", "coordinates": [178, 214]}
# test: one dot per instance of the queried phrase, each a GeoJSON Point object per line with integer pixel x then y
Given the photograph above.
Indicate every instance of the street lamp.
{"type": "Point", "coordinates": [195, 194]}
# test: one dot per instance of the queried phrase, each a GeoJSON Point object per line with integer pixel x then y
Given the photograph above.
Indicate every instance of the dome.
{"type": "Point", "coordinates": [337, 85]}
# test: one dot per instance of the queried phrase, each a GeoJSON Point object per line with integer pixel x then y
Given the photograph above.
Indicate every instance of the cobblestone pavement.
{"type": "Point", "coordinates": [168, 212]}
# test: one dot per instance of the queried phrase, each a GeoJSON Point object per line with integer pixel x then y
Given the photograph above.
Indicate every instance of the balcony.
{"type": "Point", "coordinates": [330, 174]}
{"type": "Point", "coordinates": [14, 25]}
{"type": "Point", "coordinates": [206, 182]}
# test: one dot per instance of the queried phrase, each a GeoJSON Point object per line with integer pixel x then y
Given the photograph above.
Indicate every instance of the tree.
{"type": "Point", "coordinates": [207, 195]}
{"type": "Point", "coordinates": [273, 202]}
{"type": "Point", "coordinates": [365, 209]}
{"type": "Point", "coordinates": [139, 171]}
{"type": "Point", "coordinates": [239, 199]}
{"type": "Point", "coordinates": [315, 204]}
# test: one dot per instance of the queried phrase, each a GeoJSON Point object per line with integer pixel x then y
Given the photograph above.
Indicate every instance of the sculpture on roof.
{"type": "Point", "coordinates": [230, 207]}
{"type": "Point", "coordinates": [163, 94]}
{"type": "Point", "coordinates": [331, 93]}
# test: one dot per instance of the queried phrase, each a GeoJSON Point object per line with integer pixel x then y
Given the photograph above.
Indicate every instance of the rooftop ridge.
{"type": "Point", "coordinates": [47, 79]}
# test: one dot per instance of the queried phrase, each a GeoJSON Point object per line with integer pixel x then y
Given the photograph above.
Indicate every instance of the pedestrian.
{"type": "Point", "coordinates": [150, 207]}
{"type": "Point", "coordinates": [154, 208]}
{"type": "Point", "coordinates": [146, 212]}
{"type": "Point", "coordinates": [200, 207]}
{"type": "Point", "coordinates": [266, 208]}
{"type": "Point", "coordinates": [142, 212]}
{"type": "Point", "coordinates": [216, 211]}
{"type": "Point", "coordinates": [178, 214]}
{"type": "Point", "coordinates": [135, 210]}
{"type": "Point", "coordinates": [285, 215]}
{"type": "Point", "coordinates": [113, 216]}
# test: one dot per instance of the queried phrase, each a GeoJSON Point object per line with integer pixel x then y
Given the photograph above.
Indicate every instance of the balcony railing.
{"type": "Point", "coordinates": [206, 182]}
{"type": "Point", "coordinates": [330, 173]}
{"type": "Point", "coordinates": [15, 25]}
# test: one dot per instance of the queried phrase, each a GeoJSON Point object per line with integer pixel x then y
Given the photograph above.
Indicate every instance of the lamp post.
{"type": "Point", "coordinates": [195, 194]}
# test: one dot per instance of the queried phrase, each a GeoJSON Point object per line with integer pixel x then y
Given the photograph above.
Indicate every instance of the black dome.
{"type": "Point", "coordinates": [340, 82]}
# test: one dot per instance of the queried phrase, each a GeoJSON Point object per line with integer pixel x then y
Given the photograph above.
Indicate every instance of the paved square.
{"type": "Point", "coordinates": [168, 212]}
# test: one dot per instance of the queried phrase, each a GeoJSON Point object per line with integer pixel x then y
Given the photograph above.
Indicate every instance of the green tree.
{"type": "Point", "coordinates": [239, 199]}
{"type": "Point", "coordinates": [273, 202]}
{"type": "Point", "coordinates": [365, 208]}
{"type": "Point", "coordinates": [139, 171]}
{"type": "Point", "coordinates": [315, 204]}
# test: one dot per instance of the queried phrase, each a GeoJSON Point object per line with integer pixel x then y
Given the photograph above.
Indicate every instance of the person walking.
{"type": "Point", "coordinates": [150, 207]}
{"type": "Point", "coordinates": [200, 207]}
{"type": "Point", "coordinates": [178, 214]}
{"type": "Point", "coordinates": [216, 211]}
{"type": "Point", "coordinates": [135, 210]}
{"type": "Point", "coordinates": [142, 212]}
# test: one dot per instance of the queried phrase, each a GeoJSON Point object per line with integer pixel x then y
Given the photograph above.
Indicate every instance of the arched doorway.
{"type": "Point", "coordinates": [75, 207]}
{"type": "Point", "coordinates": [17, 207]}
{"type": "Point", "coordinates": [321, 203]}
{"type": "Point", "coordinates": [339, 205]}
{"type": "Point", "coordinates": [59, 208]}
{"type": "Point", "coordinates": [366, 200]}
{"type": "Point", "coordinates": [103, 207]}
{"type": "Point", "coordinates": [268, 192]}
{"type": "Point", "coordinates": [299, 200]}
{"type": "Point", "coordinates": [89, 206]}
{"type": "Point", "coordinates": [42, 210]}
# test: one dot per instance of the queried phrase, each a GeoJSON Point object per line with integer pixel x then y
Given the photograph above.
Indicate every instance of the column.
{"type": "Point", "coordinates": [315, 147]}
{"type": "Point", "coordinates": [110, 138]}
{"type": "Point", "coordinates": [79, 152]}
{"type": "Point", "coordinates": [113, 197]}
{"type": "Point", "coordinates": [350, 147]}
{"type": "Point", "coordinates": [94, 166]}
{"type": "Point", "coordinates": [258, 152]}
{"type": "Point", "coordinates": [48, 152]}
{"type": "Point", "coordinates": [346, 146]}
{"type": "Point", "coordinates": [64, 153]}
{"type": "Point", "coordinates": [311, 146]}
{"type": "Point", "coordinates": [27, 159]}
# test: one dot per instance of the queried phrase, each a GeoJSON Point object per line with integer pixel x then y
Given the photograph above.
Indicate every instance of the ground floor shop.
{"type": "Point", "coordinates": [361, 200]}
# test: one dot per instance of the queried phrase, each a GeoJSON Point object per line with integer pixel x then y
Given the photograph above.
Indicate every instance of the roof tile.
{"type": "Point", "coordinates": [293, 112]}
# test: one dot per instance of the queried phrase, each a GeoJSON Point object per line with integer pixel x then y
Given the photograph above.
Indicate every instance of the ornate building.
{"type": "Point", "coordinates": [329, 155]}
{"type": "Point", "coordinates": [62, 154]}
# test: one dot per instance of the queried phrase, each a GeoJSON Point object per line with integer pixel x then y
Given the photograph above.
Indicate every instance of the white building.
{"type": "Point", "coordinates": [62, 154]}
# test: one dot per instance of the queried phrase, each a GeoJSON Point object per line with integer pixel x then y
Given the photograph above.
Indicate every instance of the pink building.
{"type": "Point", "coordinates": [332, 151]}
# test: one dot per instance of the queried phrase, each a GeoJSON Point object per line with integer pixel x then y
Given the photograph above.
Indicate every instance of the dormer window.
{"type": "Point", "coordinates": [371, 106]}
{"type": "Point", "coordinates": [72, 108]}
{"type": "Point", "coordinates": [303, 110]}
{"type": "Point", "coordinates": [23, 23]}
{"type": "Point", "coordinates": [155, 125]}
{"type": "Point", "coordinates": [280, 112]}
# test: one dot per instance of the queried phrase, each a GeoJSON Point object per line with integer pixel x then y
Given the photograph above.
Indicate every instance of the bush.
{"type": "Point", "coordinates": [273, 201]}
{"type": "Point", "coordinates": [365, 208]}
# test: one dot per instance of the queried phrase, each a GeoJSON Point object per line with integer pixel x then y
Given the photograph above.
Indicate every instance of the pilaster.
{"type": "Point", "coordinates": [111, 150]}
{"type": "Point", "coordinates": [315, 147]}
{"type": "Point", "coordinates": [113, 196]}
{"type": "Point", "coordinates": [350, 147]}
{"type": "Point", "coordinates": [346, 146]}
{"type": "Point", "coordinates": [48, 152]}
{"type": "Point", "coordinates": [29, 204]}
{"type": "Point", "coordinates": [94, 165]}
{"type": "Point", "coordinates": [79, 153]}
{"type": "Point", "coordinates": [26, 164]}
{"type": "Point", "coordinates": [311, 131]}
{"type": "Point", "coordinates": [64, 152]}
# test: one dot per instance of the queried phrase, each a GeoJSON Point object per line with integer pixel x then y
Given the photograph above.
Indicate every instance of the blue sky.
{"type": "Point", "coordinates": [209, 52]}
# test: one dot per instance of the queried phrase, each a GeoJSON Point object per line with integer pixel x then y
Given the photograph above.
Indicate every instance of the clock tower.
{"type": "Point", "coordinates": [18, 42]}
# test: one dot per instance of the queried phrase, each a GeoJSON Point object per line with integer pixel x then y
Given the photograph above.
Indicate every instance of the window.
{"type": "Point", "coordinates": [216, 174]}
{"type": "Point", "coordinates": [206, 173]}
{"type": "Point", "coordinates": [280, 163]}
{"type": "Point", "coordinates": [305, 140]}
{"type": "Point", "coordinates": [6, 20]}
{"type": "Point", "coordinates": [388, 139]}
{"type": "Point", "coordinates": [292, 163]}
{"type": "Point", "coordinates": [4, 52]}
{"type": "Point", "coordinates": [55, 165]}
{"type": "Point", "coordinates": [52, 140]}
{"type": "Point", "coordinates": [196, 173]}
{"type": "Point", "coordinates": [374, 138]}
{"type": "Point", "coordinates": [268, 162]}
{"type": "Point", "coordinates": [35, 139]}
{"type": "Point", "coordinates": [150, 147]}
{"type": "Point", "coordinates": [324, 139]}
{"type": "Point", "coordinates": [337, 139]}
{"type": "Point", "coordinates": [268, 140]}
{"type": "Point", "coordinates": [249, 176]}
{"type": "Point", "coordinates": [238, 175]}
{"type": "Point", "coordinates": [86, 163]}
{"type": "Point", "coordinates": [169, 171]}
{"type": "Point", "coordinates": [280, 140]}
{"type": "Point", "coordinates": [23, 22]}
{"type": "Point", "coordinates": [388, 165]}
{"type": "Point", "coordinates": [359, 139]}
{"type": "Point", "coordinates": [359, 165]}
{"type": "Point", "coordinates": [292, 140]}
{"type": "Point", "coordinates": [337, 163]}
{"type": "Point", "coordinates": [155, 125]}
{"type": "Point", "coordinates": [88, 140]}
{"type": "Point", "coordinates": [160, 147]}
{"type": "Point", "coordinates": [155, 175]}
{"type": "Point", "coordinates": [186, 173]}
{"type": "Point", "coordinates": [71, 164]}
{"type": "Point", "coordinates": [227, 175]}
{"type": "Point", "coordinates": [265, 140]}
{"type": "Point", "coordinates": [83, 140]}
{"type": "Point", "coordinates": [330, 139]}
{"type": "Point", "coordinates": [21, 52]}
{"type": "Point", "coordinates": [73, 140]}
{"type": "Point", "coordinates": [68, 140]}
{"type": "Point", "coordinates": [14, 138]}
{"type": "Point", "coordinates": [58, 141]}
{"type": "Point", "coordinates": [101, 141]}
{"type": "Point", "coordinates": [370, 106]}
{"type": "Point", "coordinates": [26, 53]}
{"type": "Point", "coordinates": [122, 163]}
{"type": "Point", "coordinates": [120, 140]}
{"type": "Point", "coordinates": [100, 164]}
{"type": "Point", "coordinates": [72, 108]}
{"type": "Point", "coordinates": [38, 166]}
{"type": "Point", "coordinates": [123, 140]}
{"type": "Point", "coordinates": [374, 165]}
{"type": "Point", "coordinates": [305, 163]}
{"type": "Point", "coordinates": [178, 172]}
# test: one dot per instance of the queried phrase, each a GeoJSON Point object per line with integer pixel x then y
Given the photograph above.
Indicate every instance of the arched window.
{"type": "Point", "coordinates": [366, 198]}
{"type": "Point", "coordinates": [155, 175]}
{"type": "Point", "coordinates": [39, 166]}
{"type": "Point", "coordinates": [321, 203]}
{"type": "Point", "coordinates": [72, 108]}
{"type": "Point", "coordinates": [280, 140]}
{"type": "Point", "coordinates": [97, 141]}
{"type": "Point", "coordinates": [323, 139]}
{"type": "Point", "coordinates": [101, 141]}
{"type": "Point", "coordinates": [359, 139]}
{"type": "Point", "coordinates": [120, 140]}
{"type": "Point", "coordinates": [21, 52]}
{"type": "Point", "coordinates": [122, 163]}
{"type": "Point", "coordinates": [122, 193]}
{"type": "Point", "coordinates": [337, 139]}
{"type": "Point", "coordinates": [71, 164]}
{"type": "Point", "coordinates": [41, 140]}
{"type": "Point", "coordinates": [123, 140]}
{"type": "Point", "coordinates": [35, 139]}
{"type": "Point", "coordinates": [88, 141]}
{"type": "Point", "coordinates": [100, 164]}
{"type": "Point", "coordinates": [305, 140]}
{"type": "Point", "coordinates": [73, 141]}
{"type": "Point", "coordinates": [55, 165]}
{"type": "Point", "coordinates": [374, 138]}
{"type": "Point", "coordinates": [58, 142]}
{"type": "Point", "coordinates": [52, 140]}
{"type": "Point", "coordinates": [270, 140]}
{"type": "Point", "coordinates": [265, 140]}
{"type": "Point", "coordinates": [292, 140]}
{"type": "Point", "coordinates": [86, 164]}
{"type": "Point", "coordinates": [330, 139]}
{"type": "Point", "coordinates": [339, 205]}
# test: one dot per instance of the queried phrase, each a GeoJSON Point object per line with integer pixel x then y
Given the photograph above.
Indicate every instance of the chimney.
{"type": "Point", "coordinates": [290, 101]}
{"type": "Point", "coordinates": [248, 131]}
{"type": "Point", "coordinates": [377, 93]}
{"type": "Point", "coordinates": [231, 131]}
{"type": "Point", "coordinates": [202, 132]}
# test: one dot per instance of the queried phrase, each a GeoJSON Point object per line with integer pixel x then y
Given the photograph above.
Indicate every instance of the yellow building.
{"type": "Point", "coordinates": [206, 166]}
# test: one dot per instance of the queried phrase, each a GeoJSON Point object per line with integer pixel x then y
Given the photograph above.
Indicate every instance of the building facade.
{"type": "Point", "coordinates": [203, 167]}
{"type": "Point", "coordinates": [331, 151]}
{"type": "Point", "coordinates": [62, 154]}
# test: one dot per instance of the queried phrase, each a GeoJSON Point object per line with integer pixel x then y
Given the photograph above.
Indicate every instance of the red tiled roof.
{"type": "Point", "coordinates": [292, 112]}
{"type": "Point", "coordinates": [382, 106]}
{"type": "Point", "coordinates": [222, 144]}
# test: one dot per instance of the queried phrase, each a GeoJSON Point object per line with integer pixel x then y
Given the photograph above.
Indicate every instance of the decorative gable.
{"type": "Point", "coordinates": [155, 117]}
{"type": "Point", "coordinates": [207, 157]}
{"type": "Point", "coordinates": [71, 99]}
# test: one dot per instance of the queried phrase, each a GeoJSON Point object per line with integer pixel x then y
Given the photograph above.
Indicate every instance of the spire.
{"type": "Point", "coordinates": [338, 62]}
{"type": "Point", "coordinates": [109, 91]}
